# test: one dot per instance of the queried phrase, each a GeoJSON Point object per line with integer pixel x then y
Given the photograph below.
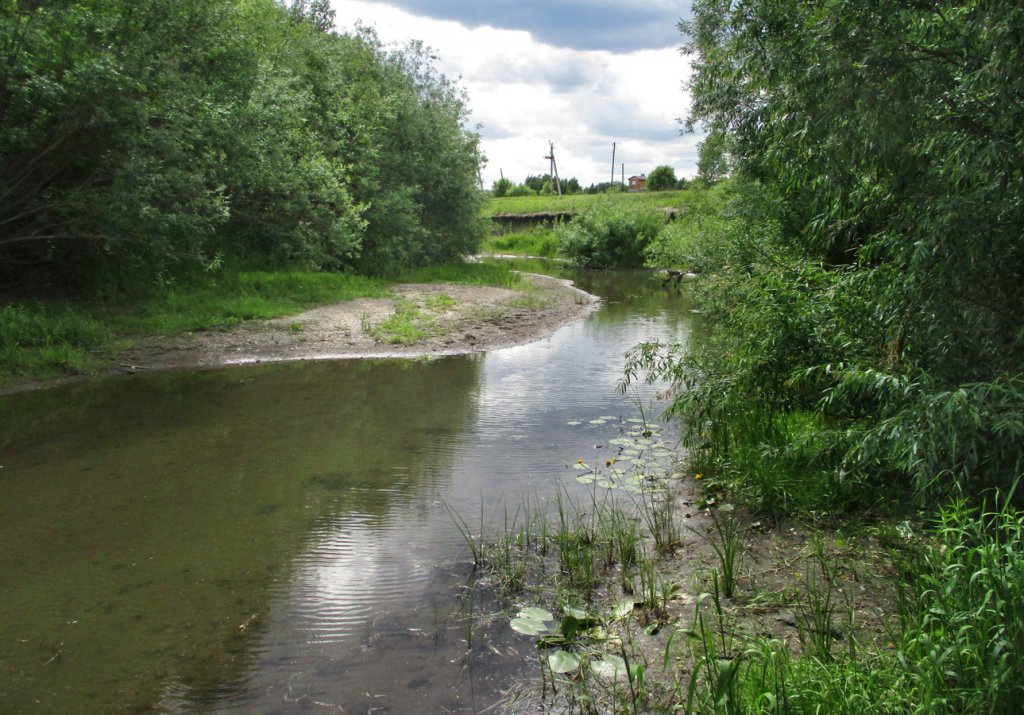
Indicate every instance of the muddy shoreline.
{"type": "Point", "coordinates": [462, 319]}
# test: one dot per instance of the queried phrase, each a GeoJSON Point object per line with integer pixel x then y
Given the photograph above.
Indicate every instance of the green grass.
{"type": "Point", "coordinates": [534, 242]}
{"type": "Point", "coordinates": [957, 646]}
{"type": "Point", "coordinates": [489, 274]}
{"type": "Point", "coordinates": [54, 337]}
{"type": "Point", "coordinates": [577, 202]}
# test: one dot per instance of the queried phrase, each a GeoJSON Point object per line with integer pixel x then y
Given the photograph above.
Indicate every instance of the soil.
{"type": "Point", "coordinates": [455, 319]}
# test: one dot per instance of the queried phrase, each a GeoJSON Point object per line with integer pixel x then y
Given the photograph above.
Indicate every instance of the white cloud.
{"type": "Point", "coordinates": [525, 93]}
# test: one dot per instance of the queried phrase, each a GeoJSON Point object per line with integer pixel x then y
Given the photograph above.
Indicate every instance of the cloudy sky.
{"type": "Point", "coordinates": [580, 73]}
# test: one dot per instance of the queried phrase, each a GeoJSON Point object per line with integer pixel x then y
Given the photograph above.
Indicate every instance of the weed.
{"type": "Point", "coordinates": [963, 618]}
{"type": "Point", "coordinates": [815, 615]}
{"type": "Point", "coordinates": [657, 509]}
{"type": "Point", "coordinates": [716, 665]}
{"type": "Point", "coordinates": [439, 302]}
{"type": "Point", "coordinates": [405, 326]}
{"type": "Point", "coordinates": [726, 543]}
{"type": "Point", "coordinates": [655, 591]}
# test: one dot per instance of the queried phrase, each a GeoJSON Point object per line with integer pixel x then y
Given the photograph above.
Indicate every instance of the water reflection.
{"type": "Point", "coordinates": [147, 523]}
{"type": "Point", "coordinates": [275, 538]}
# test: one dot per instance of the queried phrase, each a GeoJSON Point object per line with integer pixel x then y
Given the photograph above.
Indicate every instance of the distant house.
{"type": "Point", "coordinates": [638, 183]}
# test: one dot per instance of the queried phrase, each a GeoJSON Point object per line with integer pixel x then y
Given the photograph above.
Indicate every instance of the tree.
{"type": "Point", "coordinates": [888, 142]}
{"type": "Point", "coordinates": [662, 178]}
{"type": "Point", "coordinates": [712, 158]}
{"type": "Point", "coordinates": [500, 187]}
{"type": "Point", "coordinates": [142, 138]}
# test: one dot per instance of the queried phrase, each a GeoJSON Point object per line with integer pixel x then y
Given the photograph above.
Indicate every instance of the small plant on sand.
{"type": "Point", "coordinates": [814, 617]}
{"type": "Point", "coordinates": [726, 541]}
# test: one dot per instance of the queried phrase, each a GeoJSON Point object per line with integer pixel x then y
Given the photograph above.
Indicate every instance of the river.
{"type": "Point", "coordinates": [276, 538]}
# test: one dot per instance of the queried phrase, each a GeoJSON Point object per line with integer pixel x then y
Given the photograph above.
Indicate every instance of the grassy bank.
{"type": "Point", "coordinates": [653, 593]}
{"type": "Point", "coordinates": [578, 202]}
{"type": "Point", "coordinates": [47, 339]}
{"type": "Point", "coordinates": [616, 230]}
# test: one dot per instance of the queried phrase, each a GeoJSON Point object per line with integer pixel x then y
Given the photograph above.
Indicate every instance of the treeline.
{"type": "Point", "coordinates": [142, 139]}
{"type": "Point", "coordinates": [865, 275]}
{"type": "Point", "coordinates": [535, 185]}
{"type": "Point", "coordinates": [662, 178]}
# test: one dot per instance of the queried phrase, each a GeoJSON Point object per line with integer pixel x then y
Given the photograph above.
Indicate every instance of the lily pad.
{"type": "Point", "coordinates": [609, 666]}
{"type": "Point", "coordinates": [563, 661]}
{"type": "Point", "coordinates": [576, 612]}
{"type": "Point", "coordinates": [586, 478]}
{"type": "Point", "coordinates": [597, 422]}
{"type": "Point", "coordinates": [528, 626]}
{"type": "Point", "coordinates": [574, 422]}
{"type": "Point", "coordinates": [539, 614]}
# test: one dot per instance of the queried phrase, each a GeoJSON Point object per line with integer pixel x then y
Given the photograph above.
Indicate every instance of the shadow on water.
{"type": "Point", "coordinates": [274, 538]}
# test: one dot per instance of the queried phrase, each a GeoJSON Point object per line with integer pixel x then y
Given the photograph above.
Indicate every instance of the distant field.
{"type": "Point", "coordinates": [576, 202]}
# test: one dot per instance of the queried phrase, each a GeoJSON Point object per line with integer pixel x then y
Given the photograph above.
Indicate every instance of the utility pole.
{"type": "Point", "coordinates": [623, 175]}
{"type": "Point", "coordinates": [613, 164]}
{"type": "Point", "coordinates": [553, 170]}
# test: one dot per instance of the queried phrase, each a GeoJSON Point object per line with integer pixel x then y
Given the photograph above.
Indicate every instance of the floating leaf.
{"type": "Point", "coordinates": [539, 614]}
{"type": "Point", "coordinates": [635, 420]}
{"type": "Point", "coordinates": [574, 422]}
{"type": "Point", "coordinates": [576, 612]}
{"type": "Point", "coordinates": [605, 484]}
{"type": "Point", "coordinates": [563, 662]}
{"type": "Point", "coordinates": [580, 465]}
{"type": "Point", "coordinates": [607, 417]}
{"type": "Point", "coordinates": [609, 666]}
{"type": "Point", "coordinates": [586, 478]}
{"type": "Point", "coordinates": [620, 441]}
{"type": "Point", "coordinates": [528, 626]}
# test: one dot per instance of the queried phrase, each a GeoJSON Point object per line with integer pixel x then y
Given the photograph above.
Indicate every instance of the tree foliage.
{"type": "Point", "coordinates": [879, 153]}
{"type": "Point", "coordinates": [135, 135]}
{"type": "Point", "coordinates": [662, 178]}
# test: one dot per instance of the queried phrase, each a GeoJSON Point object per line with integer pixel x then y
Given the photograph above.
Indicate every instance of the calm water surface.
{"type": "Point", "coordinates": [274, 539]}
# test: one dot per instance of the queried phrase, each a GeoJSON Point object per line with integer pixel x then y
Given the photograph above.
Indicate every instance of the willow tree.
{"type": "Point", "coordinates": [883, 290]}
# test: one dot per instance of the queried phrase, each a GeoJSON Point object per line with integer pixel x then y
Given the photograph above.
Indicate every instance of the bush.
{"type": "Point", "coordinates": [610, 235]}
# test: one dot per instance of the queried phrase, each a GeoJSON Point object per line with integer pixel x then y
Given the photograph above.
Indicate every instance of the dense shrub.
{"type": "Point", "coordinates": [610, 235]}
{"type": "Point", "coordinates": [140, 139]}
{"type": "Point", "coordinates": [863, 271]}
